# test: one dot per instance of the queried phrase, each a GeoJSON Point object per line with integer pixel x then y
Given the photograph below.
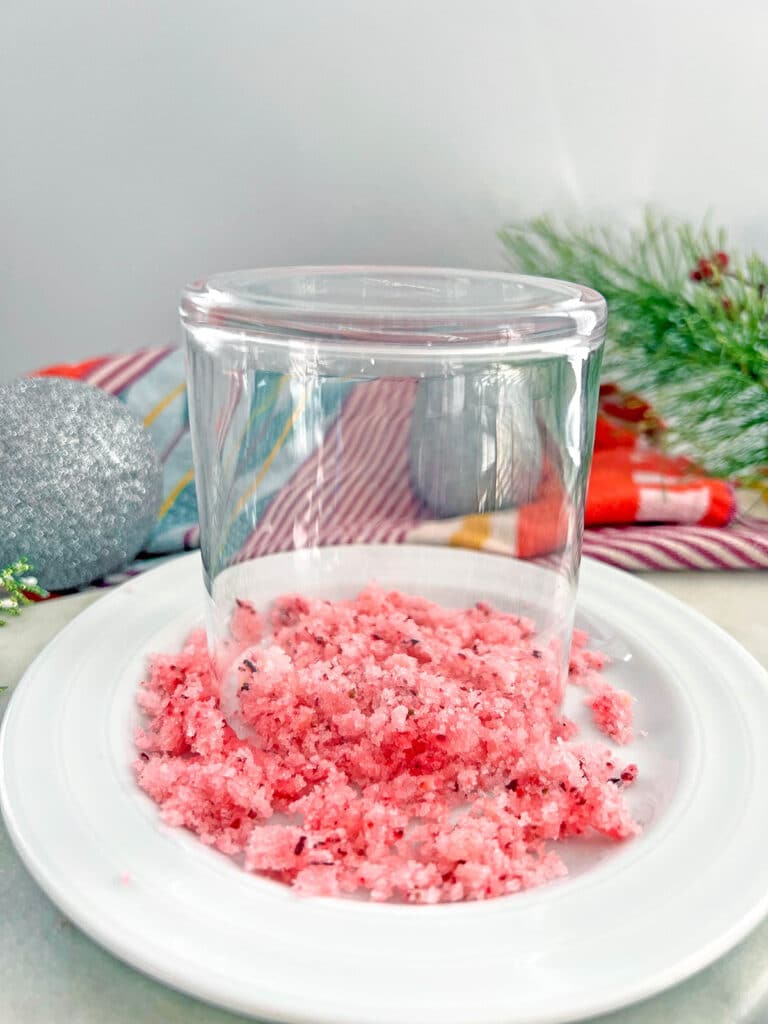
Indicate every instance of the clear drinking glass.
{"type": "Point", "coordinates": [426, 429]}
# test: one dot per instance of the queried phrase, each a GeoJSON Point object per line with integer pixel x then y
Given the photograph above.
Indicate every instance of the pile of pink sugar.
{"type": "Point", "coordinates": [396, 748]}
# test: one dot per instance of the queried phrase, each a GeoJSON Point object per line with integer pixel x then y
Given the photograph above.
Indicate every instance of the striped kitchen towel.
{"type": "Point", "coordinates": [644, 509]}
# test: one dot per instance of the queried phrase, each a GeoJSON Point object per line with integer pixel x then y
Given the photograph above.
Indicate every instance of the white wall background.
{"type": "Point", "coordinates": [146, 143]}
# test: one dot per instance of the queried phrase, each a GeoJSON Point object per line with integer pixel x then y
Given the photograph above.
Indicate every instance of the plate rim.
{"type": "Point", "coordinates": [174, 976]}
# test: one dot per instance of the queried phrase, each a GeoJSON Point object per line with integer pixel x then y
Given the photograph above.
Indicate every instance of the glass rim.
{"type": "Point", "coordinates": [411, 313]}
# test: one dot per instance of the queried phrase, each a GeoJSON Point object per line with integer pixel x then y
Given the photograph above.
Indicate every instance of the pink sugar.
{"type": "Point", "coordinates": [398, 748]}
{"type": "Point", "coordinates": [611, 708]}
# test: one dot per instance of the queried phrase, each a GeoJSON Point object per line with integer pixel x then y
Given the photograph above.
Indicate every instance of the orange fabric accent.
{"type": "Point", "coordinates": [613, 494]}
{"type": "Point", "coordinates": [611, 497]}
{"type": "Point", "coordinates": [542, 527]}
{"type": "Point", "coordinates": [473, 532]}
{"type": "Point", "coordinates": [609, 435]}
{"type": "Point", "coordinates": [75, 371]}
{"type": "Point", "coordinates": [722, 504]}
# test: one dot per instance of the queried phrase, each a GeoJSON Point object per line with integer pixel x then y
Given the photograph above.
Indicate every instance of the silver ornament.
{"type": "Point", "coordinates": [80, 482]}
{"type": "Point", "coordinates": [475, 445]}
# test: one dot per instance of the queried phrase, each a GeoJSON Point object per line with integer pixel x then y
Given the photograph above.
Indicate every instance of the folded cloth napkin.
{"type": "Point", "coordinates": [644, 508]}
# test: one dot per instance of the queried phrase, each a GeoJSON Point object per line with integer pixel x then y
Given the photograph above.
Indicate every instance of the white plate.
{"type": "Point", "coordinates": [630, 919]}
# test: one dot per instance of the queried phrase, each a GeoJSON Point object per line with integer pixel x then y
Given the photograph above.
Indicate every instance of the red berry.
{"type": "Point", "coordinates": [705, 267]}
{"type": "Point", "coordinates": [696, 275]}
{"type": "Point", "coordinates": [721, 259]}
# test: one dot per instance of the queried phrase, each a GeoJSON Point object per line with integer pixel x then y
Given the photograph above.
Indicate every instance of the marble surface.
{"type": "Point", "coordinates": [50, 972]}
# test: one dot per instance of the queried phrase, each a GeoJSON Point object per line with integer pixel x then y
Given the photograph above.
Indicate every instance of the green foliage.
{"type": "Point", "coordinates": [687, 327]}
{"type": "Point", "coordinates": [16, 582]}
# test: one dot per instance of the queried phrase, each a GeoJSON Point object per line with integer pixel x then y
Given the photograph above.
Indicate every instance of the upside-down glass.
{"type": "Point", "coordinates": [426, 429]}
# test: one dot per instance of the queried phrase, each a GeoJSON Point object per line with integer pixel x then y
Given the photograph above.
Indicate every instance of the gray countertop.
{"type": "Point", "coordinates": [50, 972]}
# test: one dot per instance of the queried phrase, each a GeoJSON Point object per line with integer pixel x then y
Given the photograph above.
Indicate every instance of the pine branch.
{"type": "Point", "coordinates": [687, 326]}
{"type": "Point", "coordinates": [16, 583]}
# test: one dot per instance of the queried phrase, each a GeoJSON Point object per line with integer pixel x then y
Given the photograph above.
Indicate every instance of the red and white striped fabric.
{"type": "Point", "coordinates": [741, 545]}
{"type": "Point", "coordinates": [644, 510]}
{"type": "Point", "coordinates": [355, 487]}
{"type": "Point", "coordinates": [112, 374]}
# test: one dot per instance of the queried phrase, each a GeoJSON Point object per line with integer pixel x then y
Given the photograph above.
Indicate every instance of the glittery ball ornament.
{"type": "Point", "coordinates": [80, 482]}
{"type": "Point", "coordinates": [475, 445]}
